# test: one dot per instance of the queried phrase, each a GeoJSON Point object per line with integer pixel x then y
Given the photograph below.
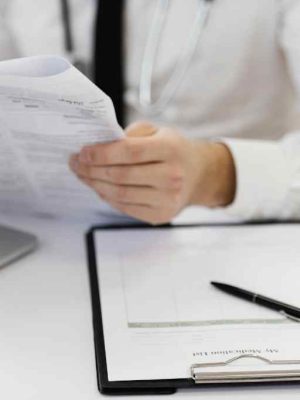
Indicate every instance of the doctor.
{"type": "Point", "coordinates": [216, 82]}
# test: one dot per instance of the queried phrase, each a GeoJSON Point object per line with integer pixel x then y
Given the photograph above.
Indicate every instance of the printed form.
{"type": "Point", "coordinates": [48, 110]}
{"type": "Point", "coordinates": [160, 313]}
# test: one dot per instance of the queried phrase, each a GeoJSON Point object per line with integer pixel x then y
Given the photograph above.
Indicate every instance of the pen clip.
{"type": "Point", "coordinates": [291, 317]}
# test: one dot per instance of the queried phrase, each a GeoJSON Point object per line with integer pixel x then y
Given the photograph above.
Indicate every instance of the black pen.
{"type": "Point", "coordinates": [285, 309]}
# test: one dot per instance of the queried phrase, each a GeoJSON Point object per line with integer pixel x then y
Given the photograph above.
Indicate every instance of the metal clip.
{"type": "Point", "coordinates": [201, 376]}
{"type": "Point", "coordinates": [291, 317]}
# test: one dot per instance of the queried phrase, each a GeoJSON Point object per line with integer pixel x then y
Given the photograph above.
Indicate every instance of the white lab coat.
{"type": "Point", "coordinates": [243, 86]}
{"type": "Point", "coordinates": [31, 27]}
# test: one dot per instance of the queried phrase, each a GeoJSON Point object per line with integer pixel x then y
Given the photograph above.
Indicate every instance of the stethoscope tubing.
{"type": "Point", "coordinates": [148, 105]}
{"type": "Point", "coordinates": [66, 18]}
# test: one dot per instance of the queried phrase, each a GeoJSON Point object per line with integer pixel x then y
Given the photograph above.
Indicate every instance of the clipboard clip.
{"type": "Point", "coordinates": [225, 372]}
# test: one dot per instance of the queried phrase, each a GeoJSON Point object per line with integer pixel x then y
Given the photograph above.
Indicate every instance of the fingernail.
{"type": "Point", "coordinates": [102, 195]}
{"type": "Point", "coordinates": [88, 182]}
{"type": "Point", "coordinates": [85, 156]}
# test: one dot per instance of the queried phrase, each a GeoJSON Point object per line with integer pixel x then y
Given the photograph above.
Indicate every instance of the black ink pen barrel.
{"type": "Point", "coordinates": [242, 293]}
{"type": "Point", "coordinates": [277, 306]}
{"type": "Point", "coordinates": [285, 309]}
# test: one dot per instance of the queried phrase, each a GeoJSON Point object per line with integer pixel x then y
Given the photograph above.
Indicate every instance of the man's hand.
{"type": "Point", "coordinates": [155, 172]}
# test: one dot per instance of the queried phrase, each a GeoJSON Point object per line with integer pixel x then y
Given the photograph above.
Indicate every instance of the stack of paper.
{"type": "Point", "coordinates": [48, 110]}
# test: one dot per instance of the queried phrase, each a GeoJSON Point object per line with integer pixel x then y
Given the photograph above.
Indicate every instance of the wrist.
{"type": "Point", "coordinates": [216, 176]}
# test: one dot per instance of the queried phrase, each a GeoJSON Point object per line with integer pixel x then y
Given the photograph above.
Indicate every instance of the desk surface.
{"type": "Point", "coordinates": [46, 335]}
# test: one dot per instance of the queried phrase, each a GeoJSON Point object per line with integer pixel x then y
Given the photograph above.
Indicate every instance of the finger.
{"type": "Point", "coordinates": [139, 129]}
{"type": "Point", "coordinates": [126, 151]}
{"type": "Point", "coordinates": [158, 175]}
{"type": "Point", "coordinates": [138, 195]}
{"type": "Point", "coordinates": [142, 213]}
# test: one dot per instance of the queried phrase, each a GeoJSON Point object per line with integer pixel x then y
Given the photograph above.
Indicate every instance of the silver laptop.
{"type": "Point", "coordinates": [14, 244]}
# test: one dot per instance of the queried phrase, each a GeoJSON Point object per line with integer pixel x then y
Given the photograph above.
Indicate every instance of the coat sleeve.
{"type": "Point", "coordinates": [268, 172]}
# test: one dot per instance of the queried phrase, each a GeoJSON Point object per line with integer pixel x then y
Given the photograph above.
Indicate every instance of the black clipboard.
{"type": "Point", "coordinates": [158, 387]}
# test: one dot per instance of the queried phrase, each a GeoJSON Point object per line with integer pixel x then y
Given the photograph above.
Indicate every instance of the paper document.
{"type": "Point", "coordinates": [48, 110]}
{"type": "Point", "coordinates": [160, 313]}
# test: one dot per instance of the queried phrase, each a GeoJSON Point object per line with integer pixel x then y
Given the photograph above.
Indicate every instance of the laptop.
{"type": "Point", "coordinates": [15, 244]}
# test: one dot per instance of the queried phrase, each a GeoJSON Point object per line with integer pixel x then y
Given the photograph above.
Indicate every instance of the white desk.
{"type": "Point", "coordinates": [46, 335]}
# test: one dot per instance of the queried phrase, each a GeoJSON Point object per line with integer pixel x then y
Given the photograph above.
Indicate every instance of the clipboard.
{"type": "Point", "coordinates": [201, 374]}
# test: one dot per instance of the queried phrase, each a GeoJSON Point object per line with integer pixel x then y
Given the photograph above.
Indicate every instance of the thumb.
{"type": "Point", "coordinates": [141, 128]}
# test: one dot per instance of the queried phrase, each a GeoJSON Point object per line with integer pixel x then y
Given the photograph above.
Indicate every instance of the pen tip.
{"type": "Point", "coordinates": [217, 284]}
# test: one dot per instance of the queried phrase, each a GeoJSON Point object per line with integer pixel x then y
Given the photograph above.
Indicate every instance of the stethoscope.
{"type": "Point", "coordinates": [69, 39]}
{"type": "Point", "coordinates": [146, 102]}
